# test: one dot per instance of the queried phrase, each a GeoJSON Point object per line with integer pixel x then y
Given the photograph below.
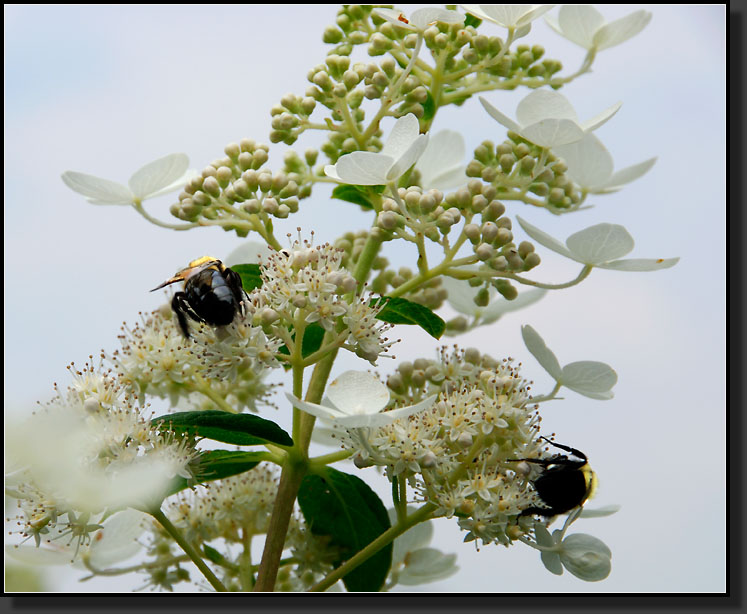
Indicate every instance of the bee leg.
{"type": "Point", "coordinates": [573, 451]}
{"type": "Point", "coordinates": [181, 308]}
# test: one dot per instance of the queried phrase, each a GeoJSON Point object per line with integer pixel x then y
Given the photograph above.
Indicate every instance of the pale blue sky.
{"type": "Point", "coordinates": [106, 89]}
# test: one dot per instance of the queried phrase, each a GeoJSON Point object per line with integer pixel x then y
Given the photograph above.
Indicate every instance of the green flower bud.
{"type": "Point", "coordinates": [505, 288]}
{"type": "Point", "coordinates": [484, 251]}
{"type": "Point", "coordinates": [474, 169]}
{"type": "Point", "coordinates": [211, 186]}
{"type": "Point", "coordinates": [506, 162]}
{"type": "Point", "coordinates": [457, 325]}
{"type": "Point", "coordinates": [532, 260]}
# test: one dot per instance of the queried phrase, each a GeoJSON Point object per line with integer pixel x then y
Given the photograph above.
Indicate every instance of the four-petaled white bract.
{"type": "Point", "coordinates": [441, 165]}
{"type": "Point", "coordinates": [547, 119]}
{"type": "Point", "coordinates": [586, 377]}
{"type": "Point", "coordinates": [585, 556]}
{"type": "Point", "coordinates": [600, 246]}
{"type": "Point", "coordinates": [590, 166]}
{"type": "Point", "coordinates": [402, 149]}
{"type": "Point", "coordinates": [158, 177]}
{"type": "Point", "coordinates": [421, 18]}
{"type": "Point", "coordinates": [585, 26]}
{"type": "Point", "coordinates": [508, 15]}
{"type": "Point", "coordinates": [462, 295]}
{"type": "Point", "coordinates": [356, 399]}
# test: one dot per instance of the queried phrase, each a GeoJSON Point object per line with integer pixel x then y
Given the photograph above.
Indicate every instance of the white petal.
{"type": "Point", "coordinates": [501, 306]}
{"type": "Point", "coordinates": [599, 512]}
{"type": "Point", "coordinates": [361, 168]}
{"type": "Point", "coordinates": [600, 243]}
{"type": "Point", "coordinates": [603, 117]}
{"type": "Point", "coordinates": [589, 163]}
{"type": "Point", "coordinates": [358, 392]}
{"type": "Point", "coordinates": [43, 555]}
{"type": "Point", "coordinates": [620, 30]}
{"type": "Point", "coordinates": [422, 18]}
{"type": "Point", "coordinates": [447, 180]}
{"type": "Point", "coordinates": [444, 153]}
{"type": "Point", "coordinates": [578, 23]}
{"type": "Point", "coordinates": [408, 158]}
{"type": "Point", "coordinates": [320, 411]}
{"type": "Point", "coordinates": [589, 377]}
{"type": "Point", "coordinates": [544, 104]}
{"type": "Point", "coordinates": [544, 355]}
{"type": "Point", "coordinates": [586, 557]}
{"type": "Point", "coordinates": [393, 16]}
{"type": "Point", "coordinates": [640, 264]}
{"type": "Point", "coordinates": [552, 132]}
{"type": "Point", "coordinates": [418, 536]}
{"type": "Point", "coordinates": [117, 541]}
{"type": "Point", "coordinates": [98, 190]}
{"type": "Point", "coordinates": [248, 253]}
{"type": "Point", "coordinates": [629, 173]}
{"type": "Point", "coordinates": [543, 238]}
{"type": "Point", "coordinates": [500, 117]}
{"type": "Point", "coordinates": [158, 174]}
{"type": "Point", "coordinates": [427, 565]}
{"type": "Point", "coordinates": [533, 14]}
{"type": "Point", "coordinates": [178, 184]}
{"type": "Point", "coordinates": [461, 295]}
{"type": "Point", "coordinates": [476, 10]}
{"type": "Point", "coordinates": [404, 132]}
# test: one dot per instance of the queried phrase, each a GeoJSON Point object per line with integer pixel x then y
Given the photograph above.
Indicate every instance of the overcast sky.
{"type": "Point", "coordinates": [106, 89]}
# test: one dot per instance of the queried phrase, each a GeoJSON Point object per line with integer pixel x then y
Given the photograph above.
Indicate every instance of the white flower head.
{"type": "Point", "coordinates": [442, 164]}
{"type": "Point", "coordinates": [601, 246]}
{"type": "Point", "coordinates": [590, 166]}
{"type": "Point", "coordinates": [420, 18]}
{"type": "Point", "coordinates": [585, 26]}
{"type": "Point", "coordinates": [402, 149]}
{"type": "Point", "coordinates": [356, 399]}
{"type": "Point", "coordinates": [159, 177]}
{"type": "Point", "coordinates": [547, 119]}
{"type": "Point", "coordinates": [512, 16]}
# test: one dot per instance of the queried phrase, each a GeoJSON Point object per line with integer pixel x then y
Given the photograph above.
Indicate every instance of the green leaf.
{"type": "Point", "coordinates": [216, 465]}
{"type": "Point", "coordinates": [250, 275]}
{"type": "Point", "coordinates": [239, 429]}
{"type": "Point", "coordinates": [357, 194]}
{"type": "Point", "coordinates": [345, 508]}
{"type": "Point", "coordinates": [402, 311]}
{"type": "Point", "coordinates": [471, 20]}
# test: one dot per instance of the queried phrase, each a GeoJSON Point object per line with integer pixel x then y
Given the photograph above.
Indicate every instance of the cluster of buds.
{"type": "Point", "coordinates": [239, 181]}
{"type": "Point", "coordinates": [516, 163]}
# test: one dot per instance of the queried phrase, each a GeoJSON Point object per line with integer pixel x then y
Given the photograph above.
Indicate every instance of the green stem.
{"type": "Point", "coordinates": [387, 537]}
{"type": "Point", "coordinates": [139, 208]}
{"type": "Point", "coordinates": [190, 550]}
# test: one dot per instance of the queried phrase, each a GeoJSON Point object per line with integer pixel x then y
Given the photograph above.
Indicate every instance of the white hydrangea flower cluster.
{"type": "Point", "coordinates": [94, 452]}
{"type": "Point", "coordinates": [156, 359]}
{"type": "Point", "coordinates": [308, 283]}
{"type": "Point", "coordinates": [236, 509]}
{"type": "Point", "coordinates": [461, 452]}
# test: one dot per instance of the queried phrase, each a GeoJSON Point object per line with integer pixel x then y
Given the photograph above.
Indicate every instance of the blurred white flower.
{"type": "Point", "coordinates": [590, 166]}
{"type": "Point", "coordinates": [115, 541]}
{"type": "Point", "coordinates": [547, 119]}
{"type": "Point", "coordinates": [600, 246]}
{"type": "Point", "coordinates": [250, 252]}
{"type": "Point", "coordinates": [585, 26]}
{"type": "Point", "coordinates": [442, 164]}
{"type": "Point", "coordinates": [161, 176]}
{"type": "Point", "coordinates": [586, 377]}
{"type": "Point", "coordinates": [402, 149]}
{"type": "Point", "coordinates": [420, 18]}
{"type": "Point", "coordinates": [355, 400]}
{"type": "Point", "coordinates": [462, 295]}
{"type": "Point", "coordinates": [508, 15]}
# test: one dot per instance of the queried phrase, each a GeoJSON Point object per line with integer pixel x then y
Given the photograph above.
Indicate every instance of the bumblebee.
{"type": "Point", "coordinates": [213, 293]}
{"type": "Point", "coordinates": [564, 483]}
